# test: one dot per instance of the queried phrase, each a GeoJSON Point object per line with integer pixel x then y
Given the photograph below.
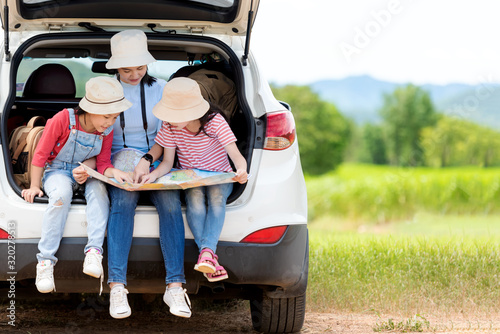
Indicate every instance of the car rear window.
{"type": "Point", "coordinates": [223, 11]}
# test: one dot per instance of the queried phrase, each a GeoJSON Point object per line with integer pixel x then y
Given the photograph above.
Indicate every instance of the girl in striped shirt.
{"type": "Point", "coordinates": [203, 140]}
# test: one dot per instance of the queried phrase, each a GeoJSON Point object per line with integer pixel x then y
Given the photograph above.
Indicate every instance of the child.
{"type": "Point", "coordinates": [203, 140]}
{"type": "Point", "coordinates": [72, 136]}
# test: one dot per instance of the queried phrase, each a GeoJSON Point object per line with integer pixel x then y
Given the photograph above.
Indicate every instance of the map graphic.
{"type": "Point", "coordinates": [127, 158]}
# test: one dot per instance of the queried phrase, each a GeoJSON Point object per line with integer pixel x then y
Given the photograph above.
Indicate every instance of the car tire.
{"type": "Point", "coordinates": [278, 315]}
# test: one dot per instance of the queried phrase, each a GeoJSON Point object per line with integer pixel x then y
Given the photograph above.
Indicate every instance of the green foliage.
{"type": "Point", "coordinates": [457, 142]}
{"type": "Point", "coordinates": [383, 193]}
{"type": "Point", "coordinates": [375, 144]}
{"type": "Point", "coordinates": [405, 113]}
{"type": "Point", "coordinates": [415, 324]}
{"type": "Point", "coordinates": [323, 132]}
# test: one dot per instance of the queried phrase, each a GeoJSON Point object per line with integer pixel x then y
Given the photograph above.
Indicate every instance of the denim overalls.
{"type": "Point", "coordinates": [58, 184]}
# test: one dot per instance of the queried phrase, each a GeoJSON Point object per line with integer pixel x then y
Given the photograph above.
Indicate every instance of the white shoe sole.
{"type": "Point", "coordinates": [178, 314]}
{"type": "Point", "coordinates": [46, 290]}
{"type": "Point", "coordinates": [92, 273]}
{"type": "Point", "coordinates": [120, 315]}
{"type": "Point", "coordinates": [181, 314]}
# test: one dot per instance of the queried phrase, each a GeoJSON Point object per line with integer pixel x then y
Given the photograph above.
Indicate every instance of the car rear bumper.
{"type": "Point", "coordinates": [280, 269]}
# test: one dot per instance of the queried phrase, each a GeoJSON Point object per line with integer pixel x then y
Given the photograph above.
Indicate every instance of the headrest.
{"type": "Point", "coordinates": [50, 81]}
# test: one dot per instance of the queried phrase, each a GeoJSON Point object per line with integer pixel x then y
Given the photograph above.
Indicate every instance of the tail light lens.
{"type": "Point", "coordinates": [3, 234]}
{"type": "Point", "coordinates": [269, 235]}
{"type": "Point", "coordinates": [280, 132]}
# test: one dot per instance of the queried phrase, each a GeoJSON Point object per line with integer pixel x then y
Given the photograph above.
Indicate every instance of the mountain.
{"type": "Point", "coordinates": [361, 97]}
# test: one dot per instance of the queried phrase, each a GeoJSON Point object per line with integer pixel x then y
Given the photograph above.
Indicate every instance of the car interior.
{"type": "Point", "coordinates": [50, 76]}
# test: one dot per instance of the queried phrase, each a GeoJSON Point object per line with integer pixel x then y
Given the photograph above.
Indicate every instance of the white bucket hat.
{"type": "Point", "coordinates": [103, 96]}
{"type": "Point", "coordinates": [129, 48]}
{"type": "Point", "coordinates": [181, 101]}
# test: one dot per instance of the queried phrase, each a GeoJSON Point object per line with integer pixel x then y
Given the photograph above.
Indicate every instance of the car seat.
{"type": "Point", "coordinates": [50, 81]}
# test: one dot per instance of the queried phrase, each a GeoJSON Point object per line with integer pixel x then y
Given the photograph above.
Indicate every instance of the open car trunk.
{"type": "Point", "coordinates": [85, 55]}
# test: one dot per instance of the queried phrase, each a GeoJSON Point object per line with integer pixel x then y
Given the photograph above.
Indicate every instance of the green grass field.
{"type": "Point", "coordinates": [383, 193]}
{"type": "Point", "coordinates": [412, 273]}
{"type": "Point", "coordinates": [420, 261]}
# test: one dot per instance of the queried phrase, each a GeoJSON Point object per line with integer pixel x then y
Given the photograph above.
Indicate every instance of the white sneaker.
{"type": "Point", "coordinates": [176, 299]}
{"type": "Point", "coordinates": [45, 276]}
{"type": "Point", "coordinates": [92, 265]}
{"type": "Point", "coordinates": [118, 302]}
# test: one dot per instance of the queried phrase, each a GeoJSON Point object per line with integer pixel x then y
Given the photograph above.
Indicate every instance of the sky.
{"type": "Point", "coordinates": [417, 41]}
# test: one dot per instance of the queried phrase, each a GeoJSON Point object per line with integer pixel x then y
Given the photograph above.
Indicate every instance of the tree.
{"type": "Point", "coordinates": [374, 143]}
{"type": "Point", "coordinates": [458, 142]}
{"type": "Point", "coordinates": [406, 112]}
{"type": "Point", "coordinates": [323, 132]}
{"type": "Point", "coordinates": [444, 144]}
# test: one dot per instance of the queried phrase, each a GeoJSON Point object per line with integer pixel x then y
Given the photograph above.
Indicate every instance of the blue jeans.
{"type": "Point", "coordinates": [121, 228]}
{"type": "Point", "coordinates": [205, 213]}
{"type": "Point", "coordinates": [58, 184]}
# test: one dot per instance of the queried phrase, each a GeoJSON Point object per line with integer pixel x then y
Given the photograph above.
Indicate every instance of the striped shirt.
{"type": "Point", "coordinates": [200, 151]}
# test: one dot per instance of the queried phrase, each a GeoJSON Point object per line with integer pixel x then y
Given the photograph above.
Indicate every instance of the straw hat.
{"type": "Point", "coordinates": [181, 101]}
{"type": "Point", "coordinates": [129, 48]}
{"type": "Point", "coordinates": [104, 95]}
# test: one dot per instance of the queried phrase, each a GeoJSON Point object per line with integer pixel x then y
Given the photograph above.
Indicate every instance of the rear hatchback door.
{"type": "Point", "coordinates": [208, 16]}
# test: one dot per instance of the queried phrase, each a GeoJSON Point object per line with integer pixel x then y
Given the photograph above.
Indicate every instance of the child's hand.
{"type": "Point", "coordinates": [29, 194]}
{"type": "Point", "coordinates": [122, 176]}
{"type": "Point", "coordinates": [149, 178]}
{"type": "Point", "coordinates": [80, 175]}
{"type": "Point", "coordinates": [241, 176]}
{"type": "Point", "coordinates": [140, 170]}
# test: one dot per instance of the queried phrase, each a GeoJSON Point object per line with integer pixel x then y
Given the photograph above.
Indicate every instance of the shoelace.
{"type": "Point", "coordinates": [92, 258]}
{"type": "Point", "coordinates": [180, 296]}
{"type": "Point", "coordinates": [118, 297]}
{"type": "Point", "coordinates": [47, 273]}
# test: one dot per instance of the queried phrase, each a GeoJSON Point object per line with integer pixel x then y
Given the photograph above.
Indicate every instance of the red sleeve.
{"type": "Point", "coordinates": [103, 159]}
{"type": "Point", "coordinates": [55, 134]}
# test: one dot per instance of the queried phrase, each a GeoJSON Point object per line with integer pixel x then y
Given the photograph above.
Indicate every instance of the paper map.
{"type": "Point", "coordinates": [126, 160]}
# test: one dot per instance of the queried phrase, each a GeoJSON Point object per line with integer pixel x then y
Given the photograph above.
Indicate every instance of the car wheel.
{"type": "Point", "coordinates": [278, 315]}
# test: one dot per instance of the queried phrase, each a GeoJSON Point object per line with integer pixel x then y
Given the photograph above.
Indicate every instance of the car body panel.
{"type": "Point", "coordinates": [229, 17]}
{"type": "Point", "coordinates": [277, 265]}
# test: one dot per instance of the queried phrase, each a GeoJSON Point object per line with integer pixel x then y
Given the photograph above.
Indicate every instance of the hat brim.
{"type": "Point", "coordinates": [129, 61]}
{"type": "Point", "coordinates": [105, 108]}
{"type": "Point", "coordinates": [171, 115]}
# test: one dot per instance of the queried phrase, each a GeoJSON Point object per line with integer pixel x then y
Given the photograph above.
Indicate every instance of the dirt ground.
{"type": "Point", "coordinates": [89, 314]}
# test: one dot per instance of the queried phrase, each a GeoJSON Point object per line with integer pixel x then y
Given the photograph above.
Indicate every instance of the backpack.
{"type": "Point", "coordinates": [22, 145]}
{"type": "Point", "coordinates": [215, 86]}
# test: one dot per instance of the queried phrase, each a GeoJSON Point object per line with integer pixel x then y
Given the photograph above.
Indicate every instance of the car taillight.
{"type": "Point", "coordinates": [4, 234]}
{"type": "Point", "coordinates": [266, 236]}
{"type": "Point", "coordinates": [280, 132]}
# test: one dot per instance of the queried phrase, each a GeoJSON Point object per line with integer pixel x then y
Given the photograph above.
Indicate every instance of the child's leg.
{"type": "Point", "coordinates": [216, 213]}
{"type": "Point", "coordinates": [97, 212]}
{"type": "Point", "coordinates": [59, 187]}
{"type": "Point", "coordinates": [196, 212]}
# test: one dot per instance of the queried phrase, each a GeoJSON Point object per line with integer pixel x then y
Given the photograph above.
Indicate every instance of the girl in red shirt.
{"type": "Point", "coordinates": [70, 137]}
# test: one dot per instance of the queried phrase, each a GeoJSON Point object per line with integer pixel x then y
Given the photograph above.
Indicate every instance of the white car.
{"type": "Point", "coordinates": [264, 242]}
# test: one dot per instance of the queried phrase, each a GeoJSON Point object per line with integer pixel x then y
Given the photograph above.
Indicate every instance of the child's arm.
{"type": "Point", "coordinates": [36, 180]}
{"type": "Point", "coordinates": [119, 175]}
{"type": "Point", "coordinates": [80, 174]}
{"type": "Point", "coordinates": [142, 167]}
{"type": "Point", "coordinates": [239, 162]}
{"type": "Point", "coordinates": [163, 168]}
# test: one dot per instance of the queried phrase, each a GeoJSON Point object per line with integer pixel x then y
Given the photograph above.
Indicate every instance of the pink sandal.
{"type": "Point", "coordinates": [215, 278]}
{"type": "Point", "coordinates": [206, 264]}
